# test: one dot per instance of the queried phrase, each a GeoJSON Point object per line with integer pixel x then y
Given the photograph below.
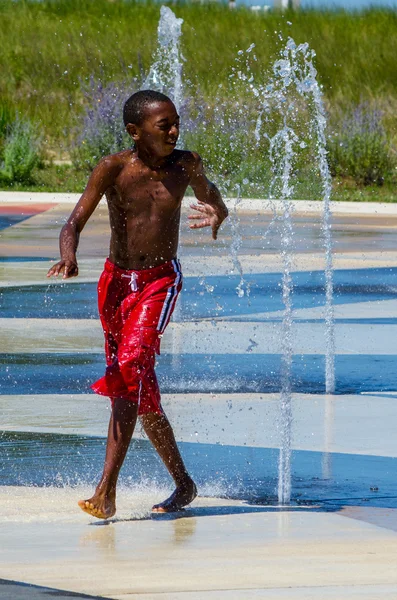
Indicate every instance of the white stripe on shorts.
{"type": "Point", "coordinates": [170, 298]}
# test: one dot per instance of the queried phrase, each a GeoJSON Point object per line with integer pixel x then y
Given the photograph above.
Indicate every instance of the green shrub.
{"type": "Point", "coordinates": [102, 130]}
{"type": "Point", "coordinates": [7, 117]}
{"type": "Point", "coordinates": [360, 149]}
{"type": "Point", "coordinates": [21, 153]}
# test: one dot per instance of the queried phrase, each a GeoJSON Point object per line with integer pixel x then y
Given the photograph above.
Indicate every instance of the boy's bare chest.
{"type": "Point", "coordinates": [163, 190]}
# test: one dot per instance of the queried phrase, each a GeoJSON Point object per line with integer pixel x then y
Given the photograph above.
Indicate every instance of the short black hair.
{"type": "Point", "coordinates": [134, 108]}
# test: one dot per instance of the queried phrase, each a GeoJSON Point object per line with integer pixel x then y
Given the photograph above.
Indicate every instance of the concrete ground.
{"type": "Point", "coordinates": [340, 546]}
{"type": "Point", "coordinates": [218, 549]}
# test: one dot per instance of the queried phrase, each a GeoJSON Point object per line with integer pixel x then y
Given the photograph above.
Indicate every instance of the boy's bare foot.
{"type": "Point", "coordinates": [183, 495]}
{"type": "Point", "coordinates": [102, 507]}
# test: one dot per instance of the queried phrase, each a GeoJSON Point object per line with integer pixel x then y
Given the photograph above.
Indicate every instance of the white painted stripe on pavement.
{"type": "Point", "coordinates": [352, 424]}
{"type": "Point", "coordinates": [199, 337]}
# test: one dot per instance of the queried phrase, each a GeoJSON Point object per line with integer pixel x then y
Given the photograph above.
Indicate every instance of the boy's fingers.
{"type": "Point", "coordinates": [200, 225]}
{"type": "Point", "coordinates": [196, 226]}
{"type": "Point", "coordinates": [70, 271]}
{"type": "Point", "coordinates": [195, 217]}
{"type": "Point", "coordinates": [198, 207]}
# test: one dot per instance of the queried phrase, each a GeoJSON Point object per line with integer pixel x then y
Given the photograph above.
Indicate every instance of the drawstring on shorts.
{"type": "Point", "coordinates": [133, 280]}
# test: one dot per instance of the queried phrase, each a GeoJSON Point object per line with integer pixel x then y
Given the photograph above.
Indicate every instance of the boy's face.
{"type": "Point", "coordinates": [159, 131]}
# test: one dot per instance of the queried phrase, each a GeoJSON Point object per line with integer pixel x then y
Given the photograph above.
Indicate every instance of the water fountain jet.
{"type": "Point", "coordinates": [165, 74]}
{"type": "Point", "coordinates": [294, 72]}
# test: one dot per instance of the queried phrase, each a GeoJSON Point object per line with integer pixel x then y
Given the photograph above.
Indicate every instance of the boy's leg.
{"type": "Point", "coordinates": [159, 432]}
{"type": "Point", "coordinates": [153, 419]}
{"type": "Point", "coordinates": [144, 321]}
{"type": "Point", "coordinates": [121, 427]}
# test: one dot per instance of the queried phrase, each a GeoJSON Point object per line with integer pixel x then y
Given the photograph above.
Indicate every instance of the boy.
{"type": "Point", "coordinates": [137, 291]}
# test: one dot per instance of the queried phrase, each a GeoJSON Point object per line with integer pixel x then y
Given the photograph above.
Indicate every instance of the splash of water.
{"type": "Point", "coordinates": [282, 152]}
{"type": "Point", "coordinates": [235, 245]}
{"type": "Point", "coordinates": [232, 119]}
{"type": "Point", "coordinates": [295, 71]}
{"type": "Point", "coordinates": [319, 123]}
{"type": "Point", "coordinates": [305, 80]}
{"type": "Point", "coordinates": [165, 74]}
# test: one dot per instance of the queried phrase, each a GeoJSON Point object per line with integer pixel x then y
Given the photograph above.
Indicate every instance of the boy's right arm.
{"type": "Point", "coordinates": [102, 177]}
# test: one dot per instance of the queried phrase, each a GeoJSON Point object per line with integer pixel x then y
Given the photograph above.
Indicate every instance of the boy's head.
{"type": "Point", "coordinates": [136, 106]}
{"type": "Point", "coordinates": [151, 120]}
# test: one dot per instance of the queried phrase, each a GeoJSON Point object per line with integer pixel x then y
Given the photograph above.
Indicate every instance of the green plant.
{"type": "Point", "coordinates": [361, 149]}
{"type": "Point", "coordinates": [47, 48]}
{"type": "Point", "coordinates": [102, 131]}
{"type": "Point", "coordinates": [7, 116]}
{"type": "Point", "coordinates": [21, 152]}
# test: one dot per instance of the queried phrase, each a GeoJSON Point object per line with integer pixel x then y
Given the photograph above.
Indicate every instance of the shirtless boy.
{"type": "Point", "coordinates": [137, 291]}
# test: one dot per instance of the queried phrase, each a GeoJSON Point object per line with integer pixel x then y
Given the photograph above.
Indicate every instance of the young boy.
{"type": "Point", "coordinates": [138, 289]}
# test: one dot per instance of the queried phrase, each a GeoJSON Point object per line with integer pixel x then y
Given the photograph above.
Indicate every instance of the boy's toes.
{"type": "Point", "coordinates": [88, 507]}
{"type": "Point", "coordinates": [100, 510]}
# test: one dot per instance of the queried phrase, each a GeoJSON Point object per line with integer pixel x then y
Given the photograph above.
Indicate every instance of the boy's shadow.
{"type": "Point", "coordinates": [209, 511]}
{"type": "Point", "coordinates": [103, 535]}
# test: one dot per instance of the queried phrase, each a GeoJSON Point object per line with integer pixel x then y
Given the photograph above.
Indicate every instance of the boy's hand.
{"type": "Point", "coordinates": [68, 267]}
{"type": "Point", "coordinates": [209, 217]}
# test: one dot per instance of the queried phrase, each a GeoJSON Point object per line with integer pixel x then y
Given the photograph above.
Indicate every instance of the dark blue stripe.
{"type": "Point", "coordinates": [188, 373]}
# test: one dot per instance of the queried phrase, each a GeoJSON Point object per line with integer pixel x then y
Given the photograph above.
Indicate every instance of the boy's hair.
{"type": "Point", "coordinates": [134, 108]}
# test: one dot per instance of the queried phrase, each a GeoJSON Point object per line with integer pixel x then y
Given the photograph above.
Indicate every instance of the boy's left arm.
{"type": "Point", "coordinates": [211, 207]}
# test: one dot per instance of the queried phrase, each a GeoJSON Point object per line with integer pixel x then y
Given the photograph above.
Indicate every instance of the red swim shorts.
{"type": "Point", "coordinates": [135, 308]}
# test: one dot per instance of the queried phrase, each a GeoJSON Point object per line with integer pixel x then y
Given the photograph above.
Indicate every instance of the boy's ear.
{"type": "Point", "coordinates": [133, 131]}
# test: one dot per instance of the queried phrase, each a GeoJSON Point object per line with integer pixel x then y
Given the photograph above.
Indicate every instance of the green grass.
{"type": "Point", "coordinates": [48, 48]}
{"type": "Point", "coordinates": [348, 192]}
{"type": "Point", "coordinates": [58, 178]}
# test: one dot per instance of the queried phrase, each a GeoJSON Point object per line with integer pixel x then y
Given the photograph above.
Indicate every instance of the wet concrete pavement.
{"type": "Point", "coordinates": [337, 539]}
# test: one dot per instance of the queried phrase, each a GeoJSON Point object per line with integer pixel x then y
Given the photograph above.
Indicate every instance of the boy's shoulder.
{"type": "Point", "coordinates": [189, 158]}
{"type": "Point", "coordinates": [187, 155]}
{"type": "Point", "coordinates": [119, 158]}
{"type": "Point", "coordinates": [110, 167]}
